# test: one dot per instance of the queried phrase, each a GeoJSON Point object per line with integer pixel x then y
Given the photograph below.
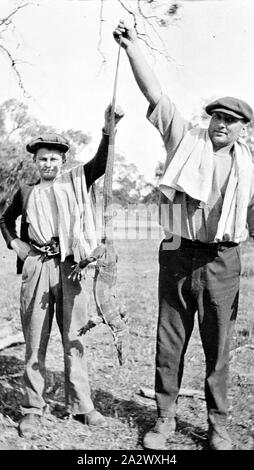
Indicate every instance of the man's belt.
{"type": "Point", "coordinates": [49, 250]}
{"type": "Point", "coordinates": [187, 243]}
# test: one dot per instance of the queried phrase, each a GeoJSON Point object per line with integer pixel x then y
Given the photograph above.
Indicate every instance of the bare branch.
{"type": "Point", "coordinates": [5, 27]}
{"type": "Point", "coordinates": [5, 24]}
{"type": "Point", "coordinates": [148, 21]}
{"type": "Point", "coordinates": [186, 392]}
{"type": "Point", "coordinates": [8, 18]}
{"type": "Point", "coordinates": [143, 15]}
{"type": "Point", "coordinates": [17, 338]}
{"type": "Point", "coordinates": [131, 12]}
{"type": "Point", "coordinates": [144, 38]}
{"type": "Point", "coordinates": [151, 25]}
{"type": "Point", "coordinates": [100, 33]}
{"type": "Point", "coordinates": [14, 67]}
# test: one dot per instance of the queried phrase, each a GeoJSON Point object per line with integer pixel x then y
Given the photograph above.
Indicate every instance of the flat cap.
{"type": "Point", "coordinates": [232, 106]}
{"type": "Point", "coordinates": [49, 140]}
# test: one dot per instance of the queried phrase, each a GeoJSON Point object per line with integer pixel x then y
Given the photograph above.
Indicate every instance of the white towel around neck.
{"type": "Point", "coordinates": [191, 172]}
{"type": "Point", "coordinates": [75, 219]}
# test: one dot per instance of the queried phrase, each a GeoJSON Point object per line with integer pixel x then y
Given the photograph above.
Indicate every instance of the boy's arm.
{"type": "Point", "coordinates": [8, 227]}
{"type": "Point", "coordinates": [9, 217]}
{"type": "Point", "coordinates": [95, 168]}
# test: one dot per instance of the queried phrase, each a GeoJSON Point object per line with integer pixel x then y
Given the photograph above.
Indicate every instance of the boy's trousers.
{"type": "Point", "coordinates": [45, 287]}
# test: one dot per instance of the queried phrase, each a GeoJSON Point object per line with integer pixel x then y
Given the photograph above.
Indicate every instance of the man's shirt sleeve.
{"type": "Point", "coordinates": [166, 118]}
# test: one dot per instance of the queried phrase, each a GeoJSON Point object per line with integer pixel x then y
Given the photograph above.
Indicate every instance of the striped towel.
{"type": "Point", "coordinates": [75, 218]}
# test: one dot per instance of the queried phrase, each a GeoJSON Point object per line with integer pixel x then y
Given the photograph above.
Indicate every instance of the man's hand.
{"type": "Point", "coordinates": [119, 113]}
{"type": "Point", "coordinates": [22, 248]}
{"type": "Point", "coordinates": [125, 35]}
{"type": "Point", "coordinates": [143, 73]}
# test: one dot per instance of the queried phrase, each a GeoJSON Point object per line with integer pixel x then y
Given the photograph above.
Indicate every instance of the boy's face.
{"type": "Point", "coordinates": [49, 163]}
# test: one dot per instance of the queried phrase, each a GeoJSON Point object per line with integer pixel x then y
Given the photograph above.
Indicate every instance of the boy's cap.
{"type": "Point", "coordinates": [49, 140]}
{"type": "Point", "coordinates": [232, 106]}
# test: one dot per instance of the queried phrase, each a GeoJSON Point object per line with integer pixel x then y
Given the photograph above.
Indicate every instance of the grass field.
{"type": "Point", "coordinates": [115, 390]}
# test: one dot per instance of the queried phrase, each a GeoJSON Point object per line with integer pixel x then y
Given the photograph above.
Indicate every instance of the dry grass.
{"type": "Point", "coordinates": [114, 389]}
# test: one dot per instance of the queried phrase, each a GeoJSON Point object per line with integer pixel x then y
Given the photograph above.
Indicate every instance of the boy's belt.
{"type": "Point", "coordinates": [50, 249]}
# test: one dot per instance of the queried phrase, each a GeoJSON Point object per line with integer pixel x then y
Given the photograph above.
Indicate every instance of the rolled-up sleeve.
{"type": "Point", "coordinates": [166, 118]}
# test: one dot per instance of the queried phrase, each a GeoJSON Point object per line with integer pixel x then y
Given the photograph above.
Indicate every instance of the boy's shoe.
{"type": "Point", "coordinates": [94, 418]}
{"type": "Point", "coordinates": [29, 425]}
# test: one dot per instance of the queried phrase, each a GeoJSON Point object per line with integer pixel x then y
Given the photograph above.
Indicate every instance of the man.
{"type": "Point", "coordinates": [206, 198]}
{"type": "Point", "coordinates": [57, 230]}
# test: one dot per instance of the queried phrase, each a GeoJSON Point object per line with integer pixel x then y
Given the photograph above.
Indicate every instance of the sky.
{"type": "Point", "coordinates": [211, 45]}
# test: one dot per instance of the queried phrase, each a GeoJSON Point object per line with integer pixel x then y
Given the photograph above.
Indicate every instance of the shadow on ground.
{"type": "Point", "coordinates": [143, 417]}
{"type": "Point", "coordinates": [123, 414]}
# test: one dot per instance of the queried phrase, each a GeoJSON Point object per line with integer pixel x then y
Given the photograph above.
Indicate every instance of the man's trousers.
{"type": "Point", "coordinates": [46, 287]}
{"type": "Point", "coordinates": [196, 277]}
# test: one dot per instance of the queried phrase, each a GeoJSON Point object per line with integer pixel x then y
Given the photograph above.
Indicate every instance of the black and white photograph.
{"type": "Point", "coordinates": [127, 231]}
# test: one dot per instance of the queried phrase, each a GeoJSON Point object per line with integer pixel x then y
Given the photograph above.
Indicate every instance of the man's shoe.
{"type": "Point", "coordinates": [94, 418]}
{"type": "Point", "coordinates": [29, 425]}
{"type": "Point", "coordinates": [158, 436]}
{"type": "Point", "coordinates": [219, 438]}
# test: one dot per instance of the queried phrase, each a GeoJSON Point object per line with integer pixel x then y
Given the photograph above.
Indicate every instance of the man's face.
{"type": "Point", "coordinates": [224, 129]}
{"type": "Point", "coordinates": [49, 163]}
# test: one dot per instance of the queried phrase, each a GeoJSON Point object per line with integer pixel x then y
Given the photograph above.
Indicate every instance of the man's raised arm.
{"type": "Point", "coordinates": [143, 74]}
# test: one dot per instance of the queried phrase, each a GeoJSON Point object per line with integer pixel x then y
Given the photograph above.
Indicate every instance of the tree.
{"type": "Point", "coordinates": [78, 140]}
{"type": "Point", "coordinates": [7, 24]}
{"type": "Point", "coordinates": [199, 115]}
{"type": "Point", "coordinates": [17, 127]}
{"type": "Point", "coordinates": [148, 17]}
{"type": "Point", "coordinates": [129, 186]}
{"type": "Point", "coordinates": [153, 195]}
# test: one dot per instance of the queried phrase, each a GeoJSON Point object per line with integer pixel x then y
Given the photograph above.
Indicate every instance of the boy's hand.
{"type": "Point", "coordinates": [77, 273]}
{"type": "Point", "coordinates": [22, 248]}
{"type": "Point", "coordinates": [119, 113]}
{"type": "Point", "coordinates": [125, 35]}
